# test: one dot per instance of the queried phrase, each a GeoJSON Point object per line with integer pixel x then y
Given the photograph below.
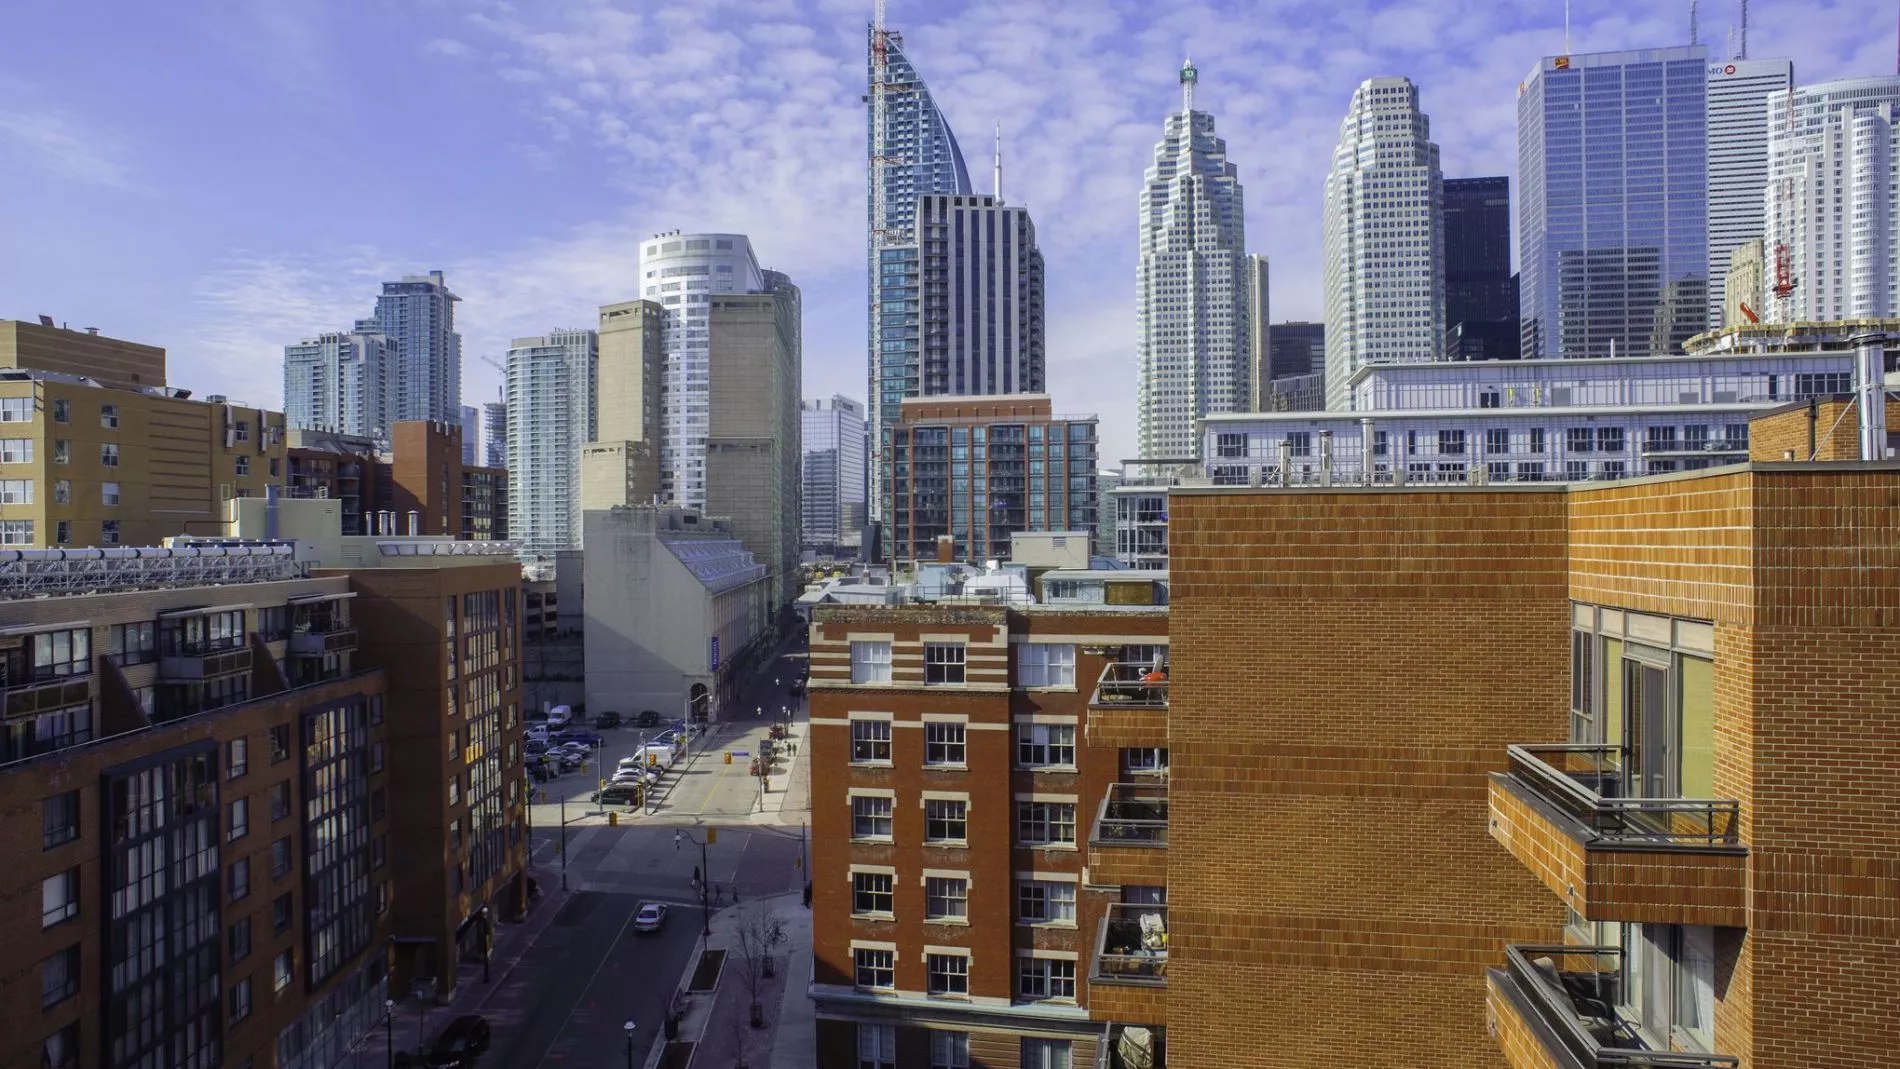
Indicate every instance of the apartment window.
{"type": "Point", "coordinates": [109, 494]}
{"type": "Point", "coordinates": [946, 898]}
{"type": "Point", "coordinates": [1045, 745]}
{"type": "Point", "coordinates": [279, 737]}
{"type": "Point", "coordinates": [947, 974]}
{"type": "Point", "coordinates": [59, 819]}
{"type": "Point", "coordinates": [238, 936]}
{"type": "Point", "coordinates": [944, 743]}
{"type": "Point", "coordinates": [455, 834]}
{"type": "Point", "coordinates": [239, 879]}
{"type": "Point", "coordinates": [1043, 979]}
{"type": "Point", "coordinates": [282, 968]}
{"type": "Point", "coordinates": [1610, 440]}
{"type": "Point", "coordinates": [244, 465]}
{"type": "Point", "coordinates": [1047, 1054]}
{"type": "Point", "coordinates": [241, 432]}
{"type": "Point", "coordinates": [134, 643]}
{"type": "Point", "coordinates": [1045, 902]}
{"type": "Point", "coordinates": [946, 820]}
{"type": "Point", "coordinates": [109, 416]}
{"type": "Point", "coordinates": [62, 491]}
{"type": "Point", "coordinates": [870, 740]}
{"type": "Point", "coordinates": [1537, 439]}
{"type": "Point", "coordinates": [59, 977]}
{"type": "Point", "coordinates": [1451, 443]}
{"type": "Point", "coordinates": [62, 411]}
{"type": "Point", "coordinates": [239, 824]}
{"type": "Point", "coordinates": [237, 757]}
{"type": "Point", "coordinates": [379, 852]}
{"type": "Point", "coordinates": [280, 800]}
{"type": "Point", "coordinates": [877, 1046]}
{"type": "Point", "coordinates": [876, 968]}
{"type": "Point", "coordinates": [455, 790]}
{"type": "Point", "coordinates": [16, 532]}
{"type": "Point", "coordinates": [943, 663]}
{"type": "Point", "coordinates": [1045, 664]}
{"type": "Point", "coordinates": [1579, 439]}
{"type": "Point", "coordinates": [870, 662]}
{"type": "Point", "coordinates": [61, 1049]}
{"type": "Point", "coordinates": [240, 1000]}
{"type": "Point", "coordinates": [873, 892]}
{"type": "Point", "coordinates": [281, 913]}
{"type": "Point", "coordinates": [280, 857]}
{"type": "Point", "coordinates": [16, 491]}
{"type": "Point", "coordinates": [1299, 443]}
{"type": "Point", "coordinates": [109, 532]}
{"type": "Point", "coordinates": [1045, 823]}
{"type": "Point", "coordinates": [62, 451]}
{"type": "Point", "coordinates": [16, 450]}
{"type": "Point", "coordinates": [62, 532]}
{"type": "Point", "coordinates": [109, 454]}
{"type": "Point", "coordinates": [949, 1050]}
{"type": "Point", "coordinates": [376, 756]}
{"type": "Point", "coordinates": [871, 816]}
{"type": "Point", "coordinates": [59, 898]}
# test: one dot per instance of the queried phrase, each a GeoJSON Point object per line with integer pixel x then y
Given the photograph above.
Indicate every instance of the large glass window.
{"type": "Point", "coordinates": [877, 1043]}
{"type": "Point", "coordinates": [943, 663]}
{"type": "Point", "coordinates": [871, 816]}
{"type": "Point", "coordinates": [944, 744]}
{"type": "Point", "coordinates": [870, 662]}
{"type": "Point", "coordinates": [946, 820]}
{"type": "Point", "coordinates": [1045, 745]}
{"type": "Point", "coordinates": [872, 892]}
{"type": "Point", "coordinates": [1045, 664]}
{"type": "Point", "coordinates": [876, 968]}
{"type": "Point", "coordinates": [870, 740]}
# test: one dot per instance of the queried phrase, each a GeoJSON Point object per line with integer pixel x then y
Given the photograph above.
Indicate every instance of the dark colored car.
{"type": "Point", "coordinates": [607, 720]}
{"type": "Point", "coordinates": [648, 719]}
{"type": "Point", "coordinates": [618, 793]}
{"type": "Point", "coordinates": [590, 738]}
{"type": "Point", "coordinates": [461, 1043]}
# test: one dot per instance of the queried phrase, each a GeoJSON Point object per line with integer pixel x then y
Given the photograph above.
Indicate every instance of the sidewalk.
{"type": "Point", "coordinates": [411, 1028]}
{"type": "Point", "coordinates": [717, 1022]}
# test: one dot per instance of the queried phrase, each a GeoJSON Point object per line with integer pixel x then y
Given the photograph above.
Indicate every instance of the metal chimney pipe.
{"type": "Point", "coordinates": [1365, 450]}
{"type": "Point", "coordinates": [1286, 462]}
{"type": "Point", "coordinates": [1870, 374]}
{"type": "Point", "coordinates": [415, 522]}
{"type": "Point", "coordinates": [1326, 458]}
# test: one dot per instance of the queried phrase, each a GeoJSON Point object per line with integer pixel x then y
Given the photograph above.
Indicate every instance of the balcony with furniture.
{"type": "Point", "coordinates": [1129, 843]}
{"type": "Point", "coordinates": [1564, 811]}
{"type": "Point", "coordinates": [1131, 685]}
{"type": "Point", "coordinates": [1566, 1006]}
{"type": "Point", "coordinates": [1129, 979]}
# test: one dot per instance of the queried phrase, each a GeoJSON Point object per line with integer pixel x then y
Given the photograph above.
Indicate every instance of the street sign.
{"type": "Point", "coordinates": [742, 753]}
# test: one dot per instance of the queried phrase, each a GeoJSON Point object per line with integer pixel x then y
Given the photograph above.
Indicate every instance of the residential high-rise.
{"type": "Point", "coordinates": [418, 314]}
{"type": "Point", "coordinates": [1613, 210]}
{"type": "Point", "coordinates": [1192, 347]}
{"type": "Point", "coordinates": [622, 465]}
{"type": "Point", "coordinates": [980, 327]}
{"type": "Point", "coordinates": [495, 433]}
{"type": "Point", "coordinates": [1832, 222]}
{"type": "Point", "coordinates": [682, 273]}
{"type": "Point", "coordinates": [752, 431]}
{"type": "Point", "coordinates": [551, 415]}
{"type": "Point", "coordinates": [471, 433]}
{"type": "Point", "coordinates": [833, 473]}
{"type": "Point", "coordinates": [342, 381]}
{"type": "Point", "coordinates": [1744, 97]}
{"type": "Point", "coordinates": [1384, 269]}
{"type": "Point", "coordinates": [910, 152]}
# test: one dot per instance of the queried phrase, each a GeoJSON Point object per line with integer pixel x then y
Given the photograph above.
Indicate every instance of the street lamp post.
{"type": "Point", "coordinates": [629, 1029]}
{"type": "Point", "coordinates": [705, 881]}
{"type": "Point", "coordinates": [564, 842]}
{"type": "Point", "coordinates": [488, 942]}
{"type": "Point", "coordinates": [389, 1030]}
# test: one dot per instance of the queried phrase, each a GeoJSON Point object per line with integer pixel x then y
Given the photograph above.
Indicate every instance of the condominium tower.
{"type": "Point", "coordinates": [471, 433]}
{"type": "Point", "coordinates": [1613, 203]}
{"type": "Point", "coordinates": [910, 151]}
{"type": "Point", "coordinates": [1830, 204]}
{"type": "Point", "coordinates": [1745, 97]}
{"type": "Point", "coordinates": [551, 415]}
{"type": "Point", "coordinates": [495, 434]}
{"type": "Point", "coordinates": [832, 473]}
{"type": "Point", "coordinates": [981, 325]}
{"type": "Point", "coordinates": [1192, 348]}
{"type": "Point", "coordinates": [1384, 264]}
{"type": "Point", "coordinates": [342, 381]}
{"type": "Point", "coordinates": [418, 314]}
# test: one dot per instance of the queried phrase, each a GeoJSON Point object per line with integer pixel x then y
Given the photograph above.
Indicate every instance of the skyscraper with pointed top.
{"type": "Point", "coordinates": [1193, 311]}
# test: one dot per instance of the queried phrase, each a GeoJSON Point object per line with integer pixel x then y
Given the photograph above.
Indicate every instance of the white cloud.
{"type": "Point", "coordinates": [69, 148]}
{"type": "Point", "coordinates": [447, 46]}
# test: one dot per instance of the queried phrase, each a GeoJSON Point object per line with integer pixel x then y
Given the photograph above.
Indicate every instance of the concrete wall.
{"type": "Point", "coordinates": [646, 619]}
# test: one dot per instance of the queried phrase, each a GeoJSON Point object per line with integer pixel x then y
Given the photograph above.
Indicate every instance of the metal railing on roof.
{"type": "Point", "coordinates": [26, 573]}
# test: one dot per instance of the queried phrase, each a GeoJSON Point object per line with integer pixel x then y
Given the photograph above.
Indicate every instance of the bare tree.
{"type": "Point", "coordinates": [755, 936]}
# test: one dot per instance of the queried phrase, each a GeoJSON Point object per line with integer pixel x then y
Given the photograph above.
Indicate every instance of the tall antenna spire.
{"type": "Point", "coordinates": [1744, 54]}
{"type": "Point", "coordinates": [1566, 27]}
{"type": "Point", "coordinates": [1693, 41]}
{"type": "Point", "coordinates": [1188, 77]}
{"type": "Point", "coordinates": [996, 184]}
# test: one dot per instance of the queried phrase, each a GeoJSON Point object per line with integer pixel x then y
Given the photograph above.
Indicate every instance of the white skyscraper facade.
{"type": "Point", "coordinates": [342, 381]}
{"type": "Point", "coordinates": [1830, 204]}
{"type": "Point", "coordinates": [832, 471]}
{"type": "Point", "coordinates": [682, 272]}
{"type": "Point", "coordinates": [418, 314]}
{"type": "Point", "coordinates": [1384, 225]}
{"type": "Point", "coordinates": [550, 390]}
{"type": "Point", "coordinates": [1192, 347]}
{"type": "Point", "coordinates": [1743, 95]}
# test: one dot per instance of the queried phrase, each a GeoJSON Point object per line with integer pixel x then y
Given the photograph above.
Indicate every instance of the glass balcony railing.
{"type": "Point", "coordinates": [1133, 814]}
{"type": "Point", "coordinates": [1575, 991]}
{"type": "Point", "coordinates": [1128, 683]}
{"type": "Point", "coordinates": [1133, 946]}
{"type": "Point", "coordinates": [1585, 780]}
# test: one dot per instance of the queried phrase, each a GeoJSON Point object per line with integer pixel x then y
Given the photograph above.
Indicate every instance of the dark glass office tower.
{"type": "Point", "coordinates": [1480, 291]}
{"type": "Point", "coordinates": [1613, 190]}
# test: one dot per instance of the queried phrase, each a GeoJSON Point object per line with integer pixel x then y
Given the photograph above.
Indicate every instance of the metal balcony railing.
{"type": "Point", "coordinates": [1133, 814]}
{"type": "Point", "coordinates": [1143, 686]}
{"type": "Point", "coordinates": [1133, 945]}
{"type": "Point", "coordinates": [1575, 990]}
{"type": "Point", "coordinates": [1586, 780]}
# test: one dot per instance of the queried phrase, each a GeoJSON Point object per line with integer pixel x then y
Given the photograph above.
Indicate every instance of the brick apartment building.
{"type": "Point", "coordinates": [988, 826]}
{"type": "Point", "coordinates": [423, 474]}
{"type": "Point", "coordinates": [1541, 776]}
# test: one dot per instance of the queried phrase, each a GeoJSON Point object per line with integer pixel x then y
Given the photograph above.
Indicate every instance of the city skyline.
{"type": "Point", "coordinates": [1078, 97]}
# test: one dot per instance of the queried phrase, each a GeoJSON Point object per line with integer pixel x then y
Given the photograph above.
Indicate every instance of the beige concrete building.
{"type": "Point", "coordinates": [621, 466]}
{"type": "Point", "coordinates": [110, 361]}
{"type": "Point", "coordinates": [1744, 285]}
{"type": "Point", "coordinates": [752, 445]}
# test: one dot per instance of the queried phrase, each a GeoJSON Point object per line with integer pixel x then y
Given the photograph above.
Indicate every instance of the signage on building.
{"type": "Point", "coordinates": [715, 653]}
{"type": "Point", "coordinates": [1561, 63]}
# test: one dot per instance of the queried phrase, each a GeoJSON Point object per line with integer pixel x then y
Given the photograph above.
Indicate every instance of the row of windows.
{"type": "Point", "coordinates": [1038, 664]}
{"type": "Point", "coordinates": [946, 821]}
{"type": "Point", "coordinates": [946, 745]}
{"type": "Point", "coordinates": [1037, 979]}
{"type": "Point", "coordinates": [947, 898]}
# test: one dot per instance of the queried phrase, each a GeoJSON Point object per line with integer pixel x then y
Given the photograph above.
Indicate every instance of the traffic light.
{"type": "Point", "coordinates": [728, 757]}
{"type": "Point", "coordinates": [712, 836]}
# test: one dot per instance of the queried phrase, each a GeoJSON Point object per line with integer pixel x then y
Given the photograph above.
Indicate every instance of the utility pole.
{"type": "Point", "coordinates": [705, 868]}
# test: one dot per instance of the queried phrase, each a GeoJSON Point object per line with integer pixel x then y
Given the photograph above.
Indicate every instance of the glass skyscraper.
{"type": "Point", "coordinates": [831, 438]}
{"type": "Point", "coordinates": [1613, 203]}
{"type": "Point", "coordinates": [550, 387]}
{"type": "Point", "coordinates": [418, 314]}
{"type": "Point", "coordinates": [914, 154]}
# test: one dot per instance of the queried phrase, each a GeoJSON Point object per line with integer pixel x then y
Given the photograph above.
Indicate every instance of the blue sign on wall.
{"type": "Point", "coordinates": [715, 653]}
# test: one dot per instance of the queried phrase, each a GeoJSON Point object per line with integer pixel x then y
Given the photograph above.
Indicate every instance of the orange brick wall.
{"type": "Point", "coordinates": [1348, 667]}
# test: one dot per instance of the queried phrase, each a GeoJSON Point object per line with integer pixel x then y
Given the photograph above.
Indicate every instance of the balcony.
{"type": "Point", "coordinates": [196, 661]}
{"type": "Point", "coordinates": [1133, 945]}
{"type": "Point", "coordinates": [1556, 1005]}
{"type": "Point", "coordinates": [1126, 684]}
{"type": "Point", "coordinates": [25, 692]}
{"type": "Point", "coordinates": [1129, 844]}
{"type": "Point", "coordinates": [1560, 812]}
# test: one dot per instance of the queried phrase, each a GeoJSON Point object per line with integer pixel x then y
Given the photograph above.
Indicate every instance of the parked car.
{"type": "Point", "coordinates": [618, 793]}
{"type": "Point", "coordinates": [607, 720]}
{"type": "Point", "coordinates": [586, 738]}
{"type": "Point", "coordinates": [535, 745]}
{"type": "Point", "coordinates": [559, 716]}
{"type": "Point", "coordinates": [648, 719]}
{"type": "Point", "coordinates": [461, 1043]}
{"type": "Point", "coordinates": [650, 917]}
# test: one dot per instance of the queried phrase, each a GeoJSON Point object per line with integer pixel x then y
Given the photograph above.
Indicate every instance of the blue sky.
{"type": "Point", "coordinates": [223, 177]}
